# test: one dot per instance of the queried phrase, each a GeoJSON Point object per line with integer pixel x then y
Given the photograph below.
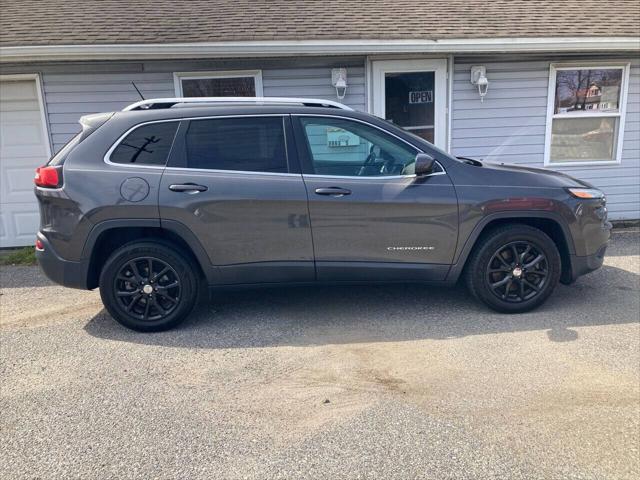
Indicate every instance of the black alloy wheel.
{"type": "Point", "coordinates": [149, 286]}
{"type": "Point", "coordinates": [513, 268]}
{"type": "Point", "coordinates": [517, 271]}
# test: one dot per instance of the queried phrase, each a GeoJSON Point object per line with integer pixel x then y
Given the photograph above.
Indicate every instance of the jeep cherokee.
{"type": "Point", "coordinates": [168, 196]}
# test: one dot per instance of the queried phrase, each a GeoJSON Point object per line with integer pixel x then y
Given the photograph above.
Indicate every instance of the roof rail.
{"type": "Point", "coordinates": [156, 103]}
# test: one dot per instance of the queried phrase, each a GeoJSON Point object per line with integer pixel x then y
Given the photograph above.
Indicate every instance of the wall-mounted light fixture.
{"type": "Point", "coordinates": [339, 81]}
{"type": "Point", "coordinates": [479, 78]}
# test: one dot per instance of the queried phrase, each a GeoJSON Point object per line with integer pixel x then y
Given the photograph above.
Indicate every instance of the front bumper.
{"type": "Point", "coordinates": [587, 264]}
{"type": "Point", "coordinates": [59, 270]}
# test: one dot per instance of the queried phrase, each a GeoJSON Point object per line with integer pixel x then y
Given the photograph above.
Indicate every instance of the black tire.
{"type": "Point", "coordinates": [507, 277]}
{"type": "Point", "coordinates": [163, 299]}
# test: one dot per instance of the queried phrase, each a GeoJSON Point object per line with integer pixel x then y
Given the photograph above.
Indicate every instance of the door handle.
{"type": "Point", "coordinates": [187, 188]}
{"type": "Point", "coordinates": [333, 191]}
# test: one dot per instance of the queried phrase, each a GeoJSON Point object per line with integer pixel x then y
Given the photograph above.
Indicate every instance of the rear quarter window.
{"type": "Point", "coordinates": [146, 145]}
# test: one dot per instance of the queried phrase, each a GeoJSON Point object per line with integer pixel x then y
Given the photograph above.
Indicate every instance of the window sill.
{"type": "Point", "coordinates": [583, 164]}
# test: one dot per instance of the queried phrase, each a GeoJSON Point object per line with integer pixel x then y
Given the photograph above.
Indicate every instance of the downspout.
{"type": "Point", "coordinates": [450, 72]}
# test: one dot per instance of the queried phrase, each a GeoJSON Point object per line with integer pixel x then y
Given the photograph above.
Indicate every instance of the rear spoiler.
{"type": "Point", "coordinates": [94, 120]}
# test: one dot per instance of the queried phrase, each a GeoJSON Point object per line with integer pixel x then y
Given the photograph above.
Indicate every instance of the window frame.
{"type": "Point", "coordinates": [551, 115]}
{"type": "Point", "coordinates": [255, 74]}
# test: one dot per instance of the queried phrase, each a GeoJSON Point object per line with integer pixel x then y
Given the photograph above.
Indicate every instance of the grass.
{"type": "Point", "coordinates": [22, 256]}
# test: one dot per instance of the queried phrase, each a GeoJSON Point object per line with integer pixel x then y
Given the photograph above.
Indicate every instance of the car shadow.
{"type": "Point", "coordinates": [322, 315]}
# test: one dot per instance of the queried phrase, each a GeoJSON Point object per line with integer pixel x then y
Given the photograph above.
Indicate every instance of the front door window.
{"type": "Point", "coordinates": [413, 95]}
{"type": "Point", "coordinates": [348, 148]}
{"type": "Point", "coordinates": [409, 102]}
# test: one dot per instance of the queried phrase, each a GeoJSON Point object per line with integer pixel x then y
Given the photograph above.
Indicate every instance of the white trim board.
{"type": "Point", "coordinates": [315, 47]}
{"type": "Point", "coordinates": [622, 110]}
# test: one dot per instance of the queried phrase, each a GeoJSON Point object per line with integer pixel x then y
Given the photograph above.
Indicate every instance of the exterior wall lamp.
{"type": "Point", "coordinates": [479, 78]}
{"type": "Point", "coordinates": [339, 81]}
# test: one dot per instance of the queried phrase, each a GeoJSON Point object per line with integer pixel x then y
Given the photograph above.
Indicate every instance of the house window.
{"type": "Point", "coordinates": [219, 84]}
{"type": "Point", "coordinates": [585, 118]}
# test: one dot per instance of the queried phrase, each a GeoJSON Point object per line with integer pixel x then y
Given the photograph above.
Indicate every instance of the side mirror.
{"type": "Point", "coordinates": [424, 164]}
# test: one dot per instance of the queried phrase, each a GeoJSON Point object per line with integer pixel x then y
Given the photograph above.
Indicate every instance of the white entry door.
{"type": "Point", "coordinates": [24, 146]}
{"type": "Point", "coordinates": [413, 95]}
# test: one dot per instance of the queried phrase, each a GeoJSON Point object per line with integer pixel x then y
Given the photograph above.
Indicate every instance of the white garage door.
{"type": "Point", "coordinates": [23, 147]}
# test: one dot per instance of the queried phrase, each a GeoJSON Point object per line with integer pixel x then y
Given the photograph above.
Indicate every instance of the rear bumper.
{"type": "Point", "coordinates": [59, 270]}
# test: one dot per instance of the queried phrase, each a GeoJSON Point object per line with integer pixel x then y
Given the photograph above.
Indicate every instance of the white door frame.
{"type": "Point", "coordinates": [438, 66]}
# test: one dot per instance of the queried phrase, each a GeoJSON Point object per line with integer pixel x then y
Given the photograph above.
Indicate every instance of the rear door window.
{"type": "Point", "coordinates": [246, 144]}
{"type": "Point", "coordinates": [146, 145]}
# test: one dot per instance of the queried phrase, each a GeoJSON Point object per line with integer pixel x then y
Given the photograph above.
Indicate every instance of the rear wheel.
{"type": "Point", "coordinates": [514, 269]}
{"type": "Point", "coordinates": [148, 286]}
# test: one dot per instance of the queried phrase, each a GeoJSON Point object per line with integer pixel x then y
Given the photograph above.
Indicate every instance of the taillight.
{"type": "Point", "coordinates": [48, 177]}
{"type": "Point", "coordinates": [39, 244]}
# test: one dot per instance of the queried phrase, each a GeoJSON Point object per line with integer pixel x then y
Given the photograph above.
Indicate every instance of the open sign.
{"type": "Point", "coordinates": [424, 96]}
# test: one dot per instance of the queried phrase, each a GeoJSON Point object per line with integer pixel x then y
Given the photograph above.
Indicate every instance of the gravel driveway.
{"type": "Point", "coordinates": [389, 382]}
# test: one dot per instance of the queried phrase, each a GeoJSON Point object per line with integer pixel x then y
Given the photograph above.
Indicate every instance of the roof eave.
{"type": "Point", "coordinates": [275, 48]}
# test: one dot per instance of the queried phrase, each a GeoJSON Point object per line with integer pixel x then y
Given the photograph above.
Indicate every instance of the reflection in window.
{"type": "Point", "coordinates": [146, 145]}
{"type": "Point", "coordinates": [348, 148]}
{"type": "Point", "coordinates": [588, 89]}
{"type": "Point", "coordinates": [586, 113]}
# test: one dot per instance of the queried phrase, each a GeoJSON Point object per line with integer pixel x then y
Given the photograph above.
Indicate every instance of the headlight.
{"type": "Point", "coordinates": [586, 193]}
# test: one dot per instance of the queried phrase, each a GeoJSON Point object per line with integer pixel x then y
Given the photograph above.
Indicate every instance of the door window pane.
{"type": "Point", "coordinates": [588, 90]}
{"type": "Point", "coordinates": [219, 87]}
{"type": "Point", "coordinates": [252, 144]}
{"type": "Point", "coordinates": [349, 148]}
{"type": "Point", "coordinates": [583, 139]}
{"type": "Point", "coordinates": [410, 102]}
{"type": "Point", "coordinates": [146, 145]}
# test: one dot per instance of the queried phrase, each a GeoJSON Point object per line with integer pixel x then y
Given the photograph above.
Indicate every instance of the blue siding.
{"type": "Point", "coordinates": [77, 90]}
{"type": "Point", "coordinates": [510, 127]}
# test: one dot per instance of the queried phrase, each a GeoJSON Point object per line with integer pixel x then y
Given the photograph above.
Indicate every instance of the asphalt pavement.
{"type": "Point", "coordinates": [378, 382]}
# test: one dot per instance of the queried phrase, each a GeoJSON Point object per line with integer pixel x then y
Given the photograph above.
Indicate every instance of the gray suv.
{"type": "Point", "coordinates": [169, 196]}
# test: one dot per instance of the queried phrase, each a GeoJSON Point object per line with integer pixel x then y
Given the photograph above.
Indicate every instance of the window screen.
{"type": "Point", "coordinates": [146, 145]}
{"type": "Point", "coordinates": [252, 144]}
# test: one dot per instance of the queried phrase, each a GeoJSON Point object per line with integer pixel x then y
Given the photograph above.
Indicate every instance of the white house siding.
{"type": "Point", "coordinates": [73, 90]}
{"type": "Point", "coordinates": [510, 126]}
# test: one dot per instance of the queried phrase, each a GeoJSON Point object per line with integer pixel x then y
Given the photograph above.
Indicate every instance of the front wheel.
{"type": "Point", "coordinates": [514, 269]}
{"type": "Point", "coordinates": [148, 286]}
